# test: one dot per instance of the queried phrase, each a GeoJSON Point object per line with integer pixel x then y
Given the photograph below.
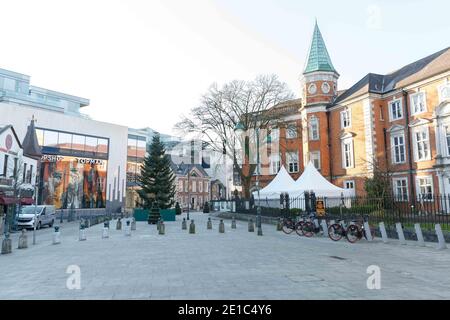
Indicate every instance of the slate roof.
{"type": "Point", "coordinates": [183, 169]}
{"type": "Point", "coordinates": [419, 70]}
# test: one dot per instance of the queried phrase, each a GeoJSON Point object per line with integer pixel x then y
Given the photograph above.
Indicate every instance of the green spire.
{"type": "Point", "coordinates": [318, 58]}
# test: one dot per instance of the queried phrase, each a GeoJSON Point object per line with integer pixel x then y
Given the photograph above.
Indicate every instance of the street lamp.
{"type": "Point", "coordinates": [239, 129]}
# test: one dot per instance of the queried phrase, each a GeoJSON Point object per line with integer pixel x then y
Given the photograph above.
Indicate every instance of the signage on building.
{"type": "Point", "coordinates": [53, 158]}
{"type": "Point", "coordinates": [320, 207]}
{"type": "Point", "coordinates": [8, 142]}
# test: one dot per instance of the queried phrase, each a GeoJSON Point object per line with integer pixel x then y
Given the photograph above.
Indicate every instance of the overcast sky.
{"type": "Point", "coordinates": [144, 62]}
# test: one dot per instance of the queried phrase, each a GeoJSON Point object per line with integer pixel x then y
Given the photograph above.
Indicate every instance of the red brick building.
{"type": "Point", "coordinates": [400, 121]}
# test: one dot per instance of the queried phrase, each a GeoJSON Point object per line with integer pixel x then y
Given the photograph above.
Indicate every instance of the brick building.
{"type": "Point", "coordinates": [400, 121]}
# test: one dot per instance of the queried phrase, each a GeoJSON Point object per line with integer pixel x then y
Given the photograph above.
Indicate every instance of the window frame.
{"type": "Point", "coordinates": [421, 129]}
{"type": "Point", "coordinates": [349, 121]}
{"type": "Point", "coordinates": [294, 164]}
{"type": "Point", "coordinates": [315, 152]}
{"type": "Point", "coordinates": [391, 115]}
{"type": "Point", "coordinates": [347, 141]}
{"type": "Point", "coordinates": [397, 134]}
{"type": "Point", "coordinates": [400, 197]}
{"type": "Point", "coordinates": [315, 120]}
{"type": "Point", "coordinates": [412, 96]}
{"type": "Point", "coordinates": [349, 181]}
{"type": "Point", "coordinates": [429, 196]}
{"type": "Point", "coordinates": [274, 162]}
{"type": "Point", "coordinates": [288, 131]}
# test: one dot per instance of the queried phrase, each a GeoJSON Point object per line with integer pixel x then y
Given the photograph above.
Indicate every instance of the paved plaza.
{"type": "Point", "coordinates": [210, 265]}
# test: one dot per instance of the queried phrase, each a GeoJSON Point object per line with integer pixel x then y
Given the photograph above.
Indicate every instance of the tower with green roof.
{"type": "Point", "coordinates": [319, 88]}
{"type": "Point", "coordinates": [319, 80]}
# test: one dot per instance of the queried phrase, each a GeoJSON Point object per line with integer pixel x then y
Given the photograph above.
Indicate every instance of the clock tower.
{"type": "Point", "coordinates": [319, 89]}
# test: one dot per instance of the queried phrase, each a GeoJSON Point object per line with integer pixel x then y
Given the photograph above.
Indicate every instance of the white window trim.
{"type": "Point", "coordinates": [411, 101]}
{"type": "Point", "coordinates": [311, 138]}
{"type": "Point", "coordinates": [394, 184]}
{"type": "Point", "coordinates": [391, 117]}
{"type": "Point", "coordinates": [441, 99]}
{"type": "Point", "coordinates": [349, 118]}
{"type": "Point", "coordinates": [288, 131]}
{"type": "Point", "coordinates": [349, 181]}
{"type": "Point", "coordinates": [352, 155]}
{"type": "Point", "coordinates": [416, 150]}
{"type": "Point", "coordinates": [418, 187]}
{"type": "Point", "coordinates": [318, 158]}
{"type": "Point", "coordinates": [289, 162]}
{"type": "Point", "coordinates": [393, 136]}
{"type": "Point", "coordinates": [272, 161]}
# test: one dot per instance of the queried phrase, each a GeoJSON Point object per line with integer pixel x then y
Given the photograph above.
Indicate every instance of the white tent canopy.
{"type": "Point", "coordinates": [312, 180]}
{"type": "Point", "coordinates": [282, 182]}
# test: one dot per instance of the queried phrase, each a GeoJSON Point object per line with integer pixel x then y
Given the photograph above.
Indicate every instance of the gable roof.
{"type": "Point", "coordinates": [3, 128]}
{"type": "Point", "coordinates": [318, 58]}
{"type": "Point", "coordinates": [182, 169]}
{"type": "Point", "coordinates": [427, 67]}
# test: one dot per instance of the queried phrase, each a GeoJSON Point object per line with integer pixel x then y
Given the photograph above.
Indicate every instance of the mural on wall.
{"type": "Point", "coordinates": [70, 180]}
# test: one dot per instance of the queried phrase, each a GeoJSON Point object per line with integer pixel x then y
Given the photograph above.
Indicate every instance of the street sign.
{"type": "Point", "coordinates": [320, 207]}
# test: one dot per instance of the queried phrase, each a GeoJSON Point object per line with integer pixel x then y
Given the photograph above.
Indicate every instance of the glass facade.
{"type": "Point", "coordinates": [73, 169]}
{"type": "Point", "coordinates": [136, 151]}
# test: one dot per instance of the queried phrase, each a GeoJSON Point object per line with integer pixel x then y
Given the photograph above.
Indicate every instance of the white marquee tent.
{"type": "Point", "coordinates": [282, 182]}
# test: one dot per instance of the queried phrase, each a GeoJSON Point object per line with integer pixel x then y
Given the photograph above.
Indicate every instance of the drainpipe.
{"type": "Point", "coordinates": [329, 146]}
{"type": "Point", "coordinates": [408, 130]}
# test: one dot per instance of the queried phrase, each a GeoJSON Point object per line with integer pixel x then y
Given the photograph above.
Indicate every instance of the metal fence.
{"type": "Point", "coordinates": [428, 211]}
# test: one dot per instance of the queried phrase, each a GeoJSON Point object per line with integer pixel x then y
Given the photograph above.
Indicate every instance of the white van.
{"type": "Point", "coordinates": [45, 215]}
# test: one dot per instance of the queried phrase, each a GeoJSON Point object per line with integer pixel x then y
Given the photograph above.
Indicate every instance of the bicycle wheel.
{"type": "Point", "coordinates": [308, 229]}
{"type": "Point", "coordinates": [335, 232]}
{"type": "Point", "coordinates": [288, 226]}
{"type": "Point", "coordinates": [299, 228]}
{"type": "Point", "coordinates": [353, 233]}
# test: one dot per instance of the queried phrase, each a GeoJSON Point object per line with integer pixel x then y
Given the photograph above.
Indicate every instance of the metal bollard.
{"type": "Point", "coordinates": [384, 236]}
{"type": "Point", "coordinates": [209, 224]}
{"type": "Point", "coordinates": [162, 228]}
{"type": "Point", "coordinates": [233, 223]}
{"type": "Point", "coordinates": [105, 233]}
{"type": "Point", "coordinates": [6, 244]}
{"type": "Point", "coordinates": [401, 235]}
{"type": "Point", "coordinates": [119, 224]}
{"type": "Point", "coordinates": [441, 240]}
{"type": "Point", "coordinates": [56, 236]}
{"type": "Point", "coordinates": [128, 229]}
{"type": "Point", "coordinates": [221, 227]}
{"type": "Point", "coordinates": [158, 224]}
{"type": "Point", "coordinates": [133, 224]}
{"type": "Point", "coordinates": [279, 225]}
{"type": "Point", "coordinates": [251, 226]}
{"type": "Point", "coordinates": [23, 240]}
{"type": "Point", "coordinates": [184, 224]}
{"type": "Point", "coordinates": [192, 227]}
{"type": "Point", "coordinates": [82, 236]}
{"type": "Point", "coordinates": [419, 235]}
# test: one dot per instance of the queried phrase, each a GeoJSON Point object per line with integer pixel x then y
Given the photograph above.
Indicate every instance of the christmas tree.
{"type": "Point", "coordinates": [157, 179]}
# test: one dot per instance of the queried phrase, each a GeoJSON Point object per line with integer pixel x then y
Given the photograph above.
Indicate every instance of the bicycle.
{"type": "Point", "coordinates": [289, 225]}
{"type": "Point", "coordinates": [353, 232]}
{"type": "Point", "coordinates": [311, 227]}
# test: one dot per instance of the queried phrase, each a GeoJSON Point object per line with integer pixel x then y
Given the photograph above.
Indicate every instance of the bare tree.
{"type": "Point", "coordinates": [222, 108]}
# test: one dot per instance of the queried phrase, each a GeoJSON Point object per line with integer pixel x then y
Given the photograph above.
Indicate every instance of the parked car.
{"type": "Point", "coordinates": [45, 215]}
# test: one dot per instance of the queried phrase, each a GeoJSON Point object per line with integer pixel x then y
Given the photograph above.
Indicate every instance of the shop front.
{"type": "Point", "coordinates": [73, 182]}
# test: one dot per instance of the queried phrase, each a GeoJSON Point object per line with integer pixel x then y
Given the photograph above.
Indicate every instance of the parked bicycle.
{"type": "Point", "coordinates": [289, 225]}
{"type": "Point", "coordinates": [311, 226]}
{"type": "Point", "coordinates": [353, 232]}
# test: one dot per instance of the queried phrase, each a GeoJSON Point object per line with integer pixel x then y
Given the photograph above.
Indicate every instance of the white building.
{"type": "Point", "coordinates": [84, 160]}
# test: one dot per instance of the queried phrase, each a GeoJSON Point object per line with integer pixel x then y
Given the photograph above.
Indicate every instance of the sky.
{"type": "Point", "coordinates": [144, 63]}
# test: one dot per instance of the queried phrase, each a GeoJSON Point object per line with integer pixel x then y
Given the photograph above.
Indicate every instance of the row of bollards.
{"type": "Point", "coordinates": [208, 225]}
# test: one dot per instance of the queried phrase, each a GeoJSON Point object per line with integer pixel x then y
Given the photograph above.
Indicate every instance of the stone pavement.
{"type": "Point", "coordinates": [210, 265]}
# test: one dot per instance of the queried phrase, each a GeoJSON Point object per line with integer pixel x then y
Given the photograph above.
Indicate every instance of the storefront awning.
{"type": "Point", "coordinates": [7, 200]}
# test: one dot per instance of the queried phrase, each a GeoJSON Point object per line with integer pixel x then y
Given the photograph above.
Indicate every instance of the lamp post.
{"type": "Point", "coordinates": [239, 129]}
{"type": "Point", "coordinates": [35, 213]}
{"type": "Point", "coordinates": [189, 195]}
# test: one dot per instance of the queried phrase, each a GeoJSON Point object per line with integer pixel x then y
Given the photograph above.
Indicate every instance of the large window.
{"type": "Point", "coordinates": [347, 153]}
{"type": "Point", "coordinates": [314, 157]}
{"type": "Point", "coordinates": [313, 128]}
{"type": "Point", "coordinates": [400, 189]}
{"type": "Point", "coordinates": [67, 181]}
{"type": "Point", "coordinates": [447, 139]}
{"type": "Point", "coordinates": [292, 160]}
{"type": "Point", "coordinates": [395, 110]}
{"type": "Point", "coordinates": [291, 131]}
{"type": "Point", "coordinates": [418, 103]}
{"type": "Point", "coordinates": [135, 156]}
{"type": "Point", "coordinates": [274, 163]}
{"type": "Point", "coordinates": [422, 144]}
{"type": "Point", "coordinates": [398, 147]}
{"type": "Point", "coordinates": [345, 119]}
{"type": "Point", "coordinates": [72, 144]}
{"type": "Point", "coordinates": [274, 135]}
{"type": "Point", "coordinates": [425, 187]}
